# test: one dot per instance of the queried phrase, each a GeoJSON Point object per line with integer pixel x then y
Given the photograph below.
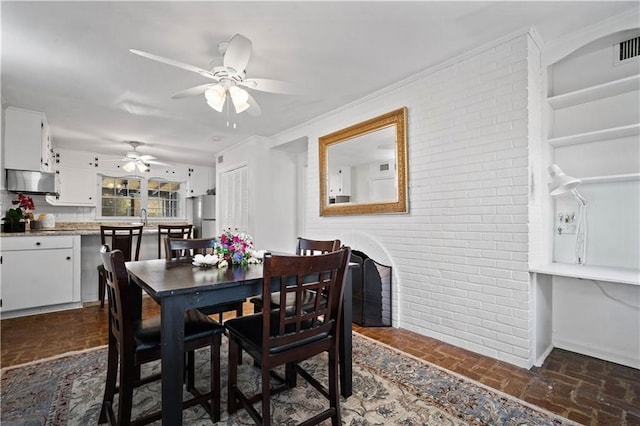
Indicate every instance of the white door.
{"type": "Point", "coordinates": [233, 200]}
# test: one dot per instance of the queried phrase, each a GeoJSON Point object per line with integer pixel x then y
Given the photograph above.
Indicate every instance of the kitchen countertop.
{"type": "Point", "coordinates": [82, 228]}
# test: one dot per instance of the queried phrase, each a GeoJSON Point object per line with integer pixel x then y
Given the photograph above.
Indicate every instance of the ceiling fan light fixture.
{"type": "Point", "coordinates": [240, 98]}
{"type": "Point", "coordinates": [141, 166]}
{"type": "Point", "coordinates": [129, 167]}
{"type": "Point", "coordinates": [216, 96]}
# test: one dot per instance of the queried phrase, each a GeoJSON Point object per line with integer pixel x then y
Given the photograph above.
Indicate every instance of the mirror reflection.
{"type": "Point", "coordinates": [363, 167]}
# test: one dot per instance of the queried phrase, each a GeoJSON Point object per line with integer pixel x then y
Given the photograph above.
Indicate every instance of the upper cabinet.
{"type": "Point", "coordinates": [198, 179]}
{"type": "Point", "coordinates": [28, 142]}
{"type": "Point", "coordinates": [78, 181]}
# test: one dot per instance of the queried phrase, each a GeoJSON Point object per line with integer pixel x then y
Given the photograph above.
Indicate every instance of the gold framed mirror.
{"type": "Point", "coordinates": [363, 168]}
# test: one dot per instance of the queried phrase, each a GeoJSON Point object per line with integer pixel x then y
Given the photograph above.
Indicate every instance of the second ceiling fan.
{"type": "Point", "coordinates": [230, 78]}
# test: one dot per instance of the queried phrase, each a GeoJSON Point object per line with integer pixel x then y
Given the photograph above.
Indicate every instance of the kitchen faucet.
{"type": "Point", "coordinates": [143, 217]}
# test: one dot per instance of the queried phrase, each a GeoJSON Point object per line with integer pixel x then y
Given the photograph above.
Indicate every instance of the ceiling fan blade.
{"type": "Point", "coordinates": [238, 53]}
{"type": "Point", "coordinates": [269, 85]}
{"type": "Point", "coordinates": [193, 91]}
{"type": "Point", "coordinates": [157, 163]}
{"type": "Point", "coordinates": [146, 158]}
{"type": "Point", "coordinates": [173, 63]}
{"type": "Point", "coordinates": [254, 109]}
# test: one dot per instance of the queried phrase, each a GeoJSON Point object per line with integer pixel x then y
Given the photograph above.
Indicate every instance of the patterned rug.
{"type": "Point", "coordinates": [389, 388]}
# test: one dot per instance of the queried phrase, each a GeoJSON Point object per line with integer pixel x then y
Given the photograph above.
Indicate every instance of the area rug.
{"type": "Point", "coordinates": [389, 388]}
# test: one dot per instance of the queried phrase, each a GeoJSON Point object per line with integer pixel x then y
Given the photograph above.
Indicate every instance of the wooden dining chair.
{"type": "Point", "coordinates": [172, 231]}
{"type": "Point", "coordinates": [288, 336]}
{"type": "Point", "coordinates": [304, 247]}
{"type": "Point", "coordinates": [124, 238]}
{"type": "Point", "coordinates": [181, 250]}
{"type": "Point", "coordinates": [133, 342]}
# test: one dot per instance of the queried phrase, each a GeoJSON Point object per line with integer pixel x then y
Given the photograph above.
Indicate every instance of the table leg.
{"type": "Point", "coordinates": [172, 329]}
{"type": "Point", "coordinates": [345, 344]}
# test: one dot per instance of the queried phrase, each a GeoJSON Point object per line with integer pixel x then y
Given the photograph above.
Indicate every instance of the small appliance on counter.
{"type": "Point", "coordinates": [47, 220]}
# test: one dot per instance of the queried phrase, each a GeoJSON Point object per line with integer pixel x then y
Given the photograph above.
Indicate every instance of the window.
{"type": "Point", "coordinates": [120, 196]}
{"type": "Point", "coordinates": [163, 198]}
{"type": "Point", "coordinates": [126, 197]}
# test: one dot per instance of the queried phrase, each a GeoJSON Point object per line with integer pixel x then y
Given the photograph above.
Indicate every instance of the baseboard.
{"type": "Point", "coordinates": [600, 353]}
{"type": "Point", "coordinates": [540, 360]}
{"type": "Point", "coordinates": [40, 310]}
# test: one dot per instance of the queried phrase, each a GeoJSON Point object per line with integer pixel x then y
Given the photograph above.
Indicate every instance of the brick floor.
{"type": "Point", "coordinates": [581, 388]}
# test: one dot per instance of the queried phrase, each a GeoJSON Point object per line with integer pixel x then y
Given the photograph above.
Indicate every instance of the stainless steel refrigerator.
{"type": "Point", "coordinates": [201, 212]}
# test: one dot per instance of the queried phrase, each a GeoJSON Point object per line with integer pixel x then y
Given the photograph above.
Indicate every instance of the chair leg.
{"type": "Point", "coordinates": [290, 374]}
{"type": "Point", "coordinates": [125, 397]}
{"type": "Point", "coordinates": [215, 376]}
{"type": "Point", "coordinates": [110, 384]}
{"type": "Point", "coordinates": [190, 370]}
{"type": "Point", "coordinates": [232, 401]}
{"type": "Point", "coordinates": [266, 396]}
{"type": "Point", "coordinates": [101, 285]}
{"type": "Point", "coordinates": [334, 397]}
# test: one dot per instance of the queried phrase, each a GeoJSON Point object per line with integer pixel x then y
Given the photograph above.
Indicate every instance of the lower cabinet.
{"type": "Point", "coordinates": [39, 274]}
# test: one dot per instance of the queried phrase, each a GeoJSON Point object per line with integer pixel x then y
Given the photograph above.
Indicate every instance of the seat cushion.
{"type": "Point", "coordinates": [248, 330]}
{"type": "Point", "coordinates": [196, 326]}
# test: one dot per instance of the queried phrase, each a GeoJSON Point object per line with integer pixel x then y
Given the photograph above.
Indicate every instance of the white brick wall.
{"type": "Point", "coordinates": [460, 255]}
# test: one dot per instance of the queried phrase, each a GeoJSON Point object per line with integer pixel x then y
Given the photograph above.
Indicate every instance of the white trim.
{"type": "Point", "coordinates": [530, 31]}
{"type": "Point", "coordinates": [562, 47]}
{"type": "Point", "coordinates": [597, 352]}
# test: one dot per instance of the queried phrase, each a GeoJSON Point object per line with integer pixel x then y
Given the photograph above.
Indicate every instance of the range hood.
{"type": "Point", "coordinates": [31, 182]}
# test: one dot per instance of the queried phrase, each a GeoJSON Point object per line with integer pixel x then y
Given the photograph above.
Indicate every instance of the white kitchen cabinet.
{"type": "Point", "coordinates": [39, 274]}
{"type": "Point", "coordinates": [198, 179]}
{"type": "Point", "coordinates": [78, 187]}
{"type": "Point", "coordinates": [28, 141]}
{"type": "Point", "coordinates": [78, 159]}
{"type": "Point", "coordinates": [77, 172]}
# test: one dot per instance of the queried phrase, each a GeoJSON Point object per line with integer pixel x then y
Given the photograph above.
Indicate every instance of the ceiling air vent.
{"type": "Point", "coordinates": [626, 50]}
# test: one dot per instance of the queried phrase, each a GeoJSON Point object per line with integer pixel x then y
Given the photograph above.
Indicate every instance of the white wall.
{"type": "Point", "coordinates": [460, 255]}
{"type": "Point", "coordinates": [272, 192]}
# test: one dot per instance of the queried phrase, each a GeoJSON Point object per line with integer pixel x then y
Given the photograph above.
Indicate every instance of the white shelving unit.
{"type": "Point", "coordinates": [612, 178]}
{"type": "Point", "coordinates": [593, 132]}
{"type": "Point", "coordinates": [597, 273]}
{"type": "Point", "coordinates": [594, 93]}
{"type": "Point", "coordinates": [595, 136]}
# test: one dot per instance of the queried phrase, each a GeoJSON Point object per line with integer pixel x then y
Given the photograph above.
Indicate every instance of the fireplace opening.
{"type": "Point", "coordinates": [371, 292]}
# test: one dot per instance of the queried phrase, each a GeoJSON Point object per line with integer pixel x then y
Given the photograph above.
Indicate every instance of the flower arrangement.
{"type": "Point", "coordinates": [24, 202]}
{"type": "Point", "coordinates": [235, 248]}
{"type": "Point", "coordinates": [14, 217]}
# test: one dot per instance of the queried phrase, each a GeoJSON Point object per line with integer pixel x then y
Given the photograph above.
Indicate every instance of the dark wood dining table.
{"type": "Point", "coordinates": [179, 287]}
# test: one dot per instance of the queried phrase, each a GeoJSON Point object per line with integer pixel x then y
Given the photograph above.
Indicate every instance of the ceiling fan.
{"type": "Point", "coordinates": [230, 78]}
{"type": "Point", "coordinates": [133, 159]}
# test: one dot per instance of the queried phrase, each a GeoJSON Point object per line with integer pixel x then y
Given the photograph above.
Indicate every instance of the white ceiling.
{"type": "Point", "coordinates": [71, 60]}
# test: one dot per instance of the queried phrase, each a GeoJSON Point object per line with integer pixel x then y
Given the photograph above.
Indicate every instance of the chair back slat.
{"type": "Point", "coordinates": [296, 277]}
{"type": "Point", "coordinates": [172, 231]}
{"type": "Point", "coordinates": [124, 238]}
{"type": "Point", "coordinates": [306, 247]}
{"type": "Point", "coordinates": [183, 249]}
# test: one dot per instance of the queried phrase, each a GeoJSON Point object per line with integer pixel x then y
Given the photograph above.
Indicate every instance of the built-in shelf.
{"type": "Point", "coordinates": [611, 178]}
{"type": "Point", "coordinates": [595, 136]}
{"type": "Point", "coordinates": [593, 93]}
{"type": "Point", "coordinates": [597, 273]}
